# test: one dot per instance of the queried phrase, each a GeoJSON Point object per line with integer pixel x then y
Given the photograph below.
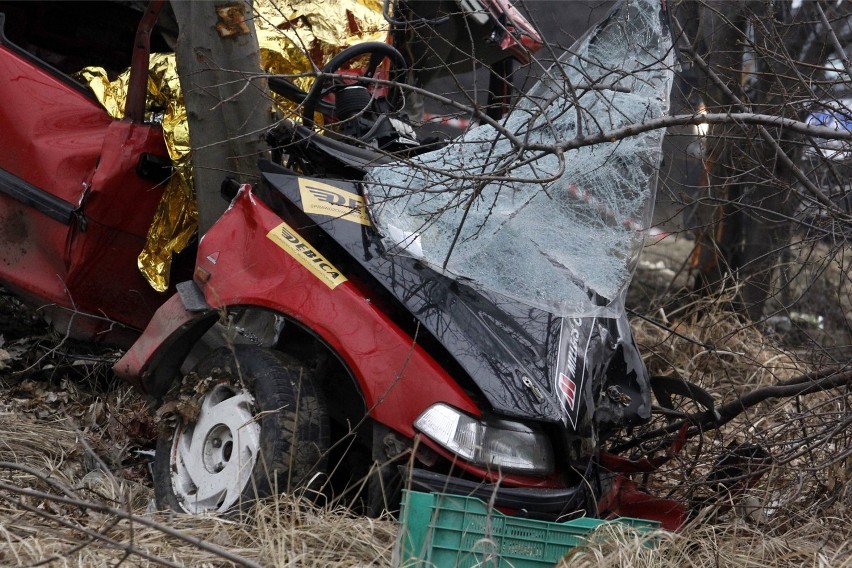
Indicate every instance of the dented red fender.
{"type": "Point", "coordinates": [625, 499]}
{"type": "Point", "coordinates": [171, 323]}
{"type": "Point", "coordinates": [250, 257]}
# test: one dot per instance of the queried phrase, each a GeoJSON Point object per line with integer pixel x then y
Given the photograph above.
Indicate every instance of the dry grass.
{"type": "Point", "coordinates": [48, 476]}
{"type": "Point", "coordinates": [731, 544]}
{"type": "Point", "coordinates": [798, 515]}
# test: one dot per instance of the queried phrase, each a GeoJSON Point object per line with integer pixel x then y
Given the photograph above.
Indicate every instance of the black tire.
{"type": "Point", "coordinates": [290, 447]}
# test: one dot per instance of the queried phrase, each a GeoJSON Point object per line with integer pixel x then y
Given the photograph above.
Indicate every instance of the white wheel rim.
{"type": "Point", "coordinates": [213, 459]}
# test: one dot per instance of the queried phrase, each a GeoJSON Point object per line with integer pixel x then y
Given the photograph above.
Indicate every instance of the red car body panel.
{"type": "Point", "coordinates": [397, 378]}
{"type": "Point", "coordinates": [240, 266]}
{"type": "Point", "coordinates": [64, 147]}
{"type": "Point", "coordinates": [169, 325]}
{"type": "Point", "coordinates": [52, 134]}
{"type": "Point", "coordinates": [118, 209]}
{"type": "Point", "coordinates": [51, 137]}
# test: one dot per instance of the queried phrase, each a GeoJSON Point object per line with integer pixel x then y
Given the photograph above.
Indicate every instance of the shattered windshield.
{"type": "Point", "coordinates": [505, 208]}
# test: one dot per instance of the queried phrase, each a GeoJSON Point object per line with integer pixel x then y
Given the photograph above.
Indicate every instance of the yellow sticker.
{"type": "Point", "coordinates": [324, 199]}
{"type": "Point", "coordinates": [286, 238]}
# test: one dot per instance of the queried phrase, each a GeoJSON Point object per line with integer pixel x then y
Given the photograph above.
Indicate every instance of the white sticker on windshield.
{"type": "Point", "coordinates": [404, 241]}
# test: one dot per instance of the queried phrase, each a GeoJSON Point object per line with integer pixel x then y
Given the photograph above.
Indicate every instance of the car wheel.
{"type": "Point", "coordinates": [258, 426]}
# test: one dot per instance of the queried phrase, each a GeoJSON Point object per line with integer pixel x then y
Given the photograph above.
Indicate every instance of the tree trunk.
{"type": "Point", "coordinates": [226, 97]}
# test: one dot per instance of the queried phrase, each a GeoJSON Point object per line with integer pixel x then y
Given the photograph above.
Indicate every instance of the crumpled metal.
{"type": "Point", "coordinates": [176, 217]}
{"type": "Point", "coordinates": [288, 32]}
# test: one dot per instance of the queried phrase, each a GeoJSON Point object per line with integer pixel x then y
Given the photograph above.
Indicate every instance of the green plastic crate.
{"type": "Point", "coordinates": [441, 530]}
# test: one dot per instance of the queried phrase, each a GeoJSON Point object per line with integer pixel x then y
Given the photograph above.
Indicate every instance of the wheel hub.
{"type": "Point", "coordinates": [217, 448]}
{"type": "Point", "coordinates": [213, 459]}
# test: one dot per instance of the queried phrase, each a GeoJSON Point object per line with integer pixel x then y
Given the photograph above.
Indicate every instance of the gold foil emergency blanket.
{"type": "Point", "coordinates": [288, 31]}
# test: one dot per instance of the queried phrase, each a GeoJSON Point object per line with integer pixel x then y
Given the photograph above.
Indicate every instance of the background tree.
{"type": "Point", "coordinates": [765, 58]}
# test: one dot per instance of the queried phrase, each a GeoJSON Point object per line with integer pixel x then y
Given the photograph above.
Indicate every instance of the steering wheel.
{"type": "Point", "coordinates": [378, 51]}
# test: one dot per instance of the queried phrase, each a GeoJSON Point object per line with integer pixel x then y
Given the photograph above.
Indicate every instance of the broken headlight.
{"type": "Point", "coordinates": [489, 443]}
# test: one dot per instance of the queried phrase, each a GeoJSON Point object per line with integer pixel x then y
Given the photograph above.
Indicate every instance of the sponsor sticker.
{"type": "Point", "coordinates": [286, 238]}
{"type": "Point", "coordinates": [568, 389]}
{"type": "Point", "coordinates": [324, 199]}
{"type": "Point", "coordinates": [569, 375]}
{"type": "Point", "coordinates": [573, 346]}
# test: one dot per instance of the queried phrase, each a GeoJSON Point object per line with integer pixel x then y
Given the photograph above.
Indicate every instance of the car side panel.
{"type": "Point", "coordinates": [74, 213]}
{"type": "Point", "coordinates": [51, 139]}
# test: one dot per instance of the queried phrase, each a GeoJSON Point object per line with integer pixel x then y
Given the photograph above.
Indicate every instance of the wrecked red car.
{"type": "Point", "coordinates": [449, 317]}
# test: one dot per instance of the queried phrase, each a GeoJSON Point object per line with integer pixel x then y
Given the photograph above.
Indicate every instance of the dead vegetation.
{"type": "Point", "coordinates": [64, 503]}
{"type": "Point", "coordinates": [732, 543]}
{"type": "Point", "coordinates": [75, 445]}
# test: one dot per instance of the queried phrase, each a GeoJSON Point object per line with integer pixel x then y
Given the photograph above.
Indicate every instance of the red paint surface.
{"type": "Point", "coordinates": [397, 378]}
{"type": "Point", "coordinates": [625, 499]}
{"type": "Point", "coordinates": [61, 141]}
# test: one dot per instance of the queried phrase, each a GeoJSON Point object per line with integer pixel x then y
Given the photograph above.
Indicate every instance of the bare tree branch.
{"type": "Point", "coordinates": [702, 421]}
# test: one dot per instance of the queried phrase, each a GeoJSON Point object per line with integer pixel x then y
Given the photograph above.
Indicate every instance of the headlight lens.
{"type": "Point", "coordinates": [509, 446]}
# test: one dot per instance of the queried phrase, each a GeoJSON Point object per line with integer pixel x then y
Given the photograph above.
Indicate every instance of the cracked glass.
{"type": "Point", "coordinates": [521, 207]}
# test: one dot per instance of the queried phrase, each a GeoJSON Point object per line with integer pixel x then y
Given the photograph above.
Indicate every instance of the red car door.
{"type": "Point", "coordinates": [74, 212]}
